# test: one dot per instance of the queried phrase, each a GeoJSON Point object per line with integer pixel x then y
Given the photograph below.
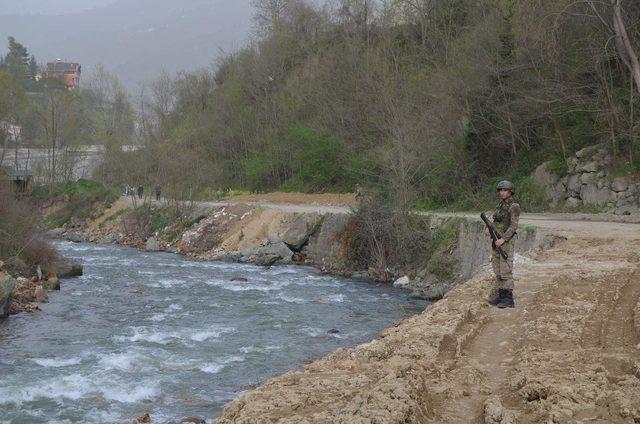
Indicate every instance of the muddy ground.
{"type": "Point", "coordinates": [569, 352]}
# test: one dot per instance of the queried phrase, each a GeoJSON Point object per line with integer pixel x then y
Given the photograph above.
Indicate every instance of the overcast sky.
{"type": "Point", "coordinates": [134, 39]}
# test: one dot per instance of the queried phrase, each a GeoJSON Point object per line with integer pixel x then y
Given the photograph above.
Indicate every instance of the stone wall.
{"type": "Point", "coordinates": [589, 182]}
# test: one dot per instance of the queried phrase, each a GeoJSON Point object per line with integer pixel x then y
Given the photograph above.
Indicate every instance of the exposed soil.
{"type": "Point", "coordinates": [569, 352]}
{"type": "Point", "coordinates": [326, 199]}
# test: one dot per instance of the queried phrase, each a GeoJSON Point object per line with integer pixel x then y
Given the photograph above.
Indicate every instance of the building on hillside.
{"type": "Point", "coordinates": [68, 73]}
{"type": "Point", "coordinates": [21, 179]}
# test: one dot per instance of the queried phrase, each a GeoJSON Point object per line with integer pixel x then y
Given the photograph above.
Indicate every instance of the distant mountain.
{"type": "Point", "coordinates": [134, 39]}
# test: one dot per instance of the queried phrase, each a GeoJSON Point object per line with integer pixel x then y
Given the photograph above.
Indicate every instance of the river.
{"type": "Point", "coordinates": [159, 333]}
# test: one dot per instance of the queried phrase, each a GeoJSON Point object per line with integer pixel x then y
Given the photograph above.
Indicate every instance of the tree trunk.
{"type": "Point", "coordinates": [623, 43]}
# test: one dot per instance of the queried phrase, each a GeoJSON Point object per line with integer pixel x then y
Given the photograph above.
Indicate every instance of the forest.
{"type": "Point", "coordinates": [426, 103]}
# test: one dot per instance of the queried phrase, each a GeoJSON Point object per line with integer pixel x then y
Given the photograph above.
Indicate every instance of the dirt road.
{"type": "Point", "coordinates": [569, 352]}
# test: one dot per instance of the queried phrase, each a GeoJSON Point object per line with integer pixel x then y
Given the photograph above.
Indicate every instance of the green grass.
{"type": "Point", "coordinates": [83, 199]}
{"type": "Point", "coordinates": [444, 240]}
{"type": "Point", "coordinates": [113, 217]}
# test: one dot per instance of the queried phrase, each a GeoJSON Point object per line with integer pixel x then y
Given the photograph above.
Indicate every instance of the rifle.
{"type": "Point", "coordinates": [494, 235]}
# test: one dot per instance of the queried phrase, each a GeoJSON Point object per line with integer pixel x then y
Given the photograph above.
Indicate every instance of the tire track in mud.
{"type": "Point", "coordinates": [613, 321]}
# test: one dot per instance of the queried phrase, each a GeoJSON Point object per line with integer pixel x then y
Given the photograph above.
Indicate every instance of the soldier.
{"type": "Point", "coordinates": [505, 220]}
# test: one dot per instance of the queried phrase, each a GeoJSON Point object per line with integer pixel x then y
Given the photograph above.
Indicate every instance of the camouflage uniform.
{"type": "Point", "coordinates": [505, 220]}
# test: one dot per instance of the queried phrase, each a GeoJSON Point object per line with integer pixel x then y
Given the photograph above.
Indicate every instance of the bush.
{"type": "Point", "coordinates": [530, 195]}
{"type": "Point", "coordinates": [378, 237]}
{"type": "Point", "coordinates": [21, 235]}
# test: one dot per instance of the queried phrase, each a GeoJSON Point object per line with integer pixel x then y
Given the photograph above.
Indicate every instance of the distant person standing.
{"type": "Point", "coordinates": [505, 221]}
{"type": "Point", "coordinates": [359, 193]}
{"type": "Point", "coordinates": [158, 192]}
{"type": "Point", "coordinates": [140, 191]}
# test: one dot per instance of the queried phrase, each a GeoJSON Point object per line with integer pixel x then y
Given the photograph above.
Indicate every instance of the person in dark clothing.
{"type": "Point", "coordinates": [158, 191]}
{"type": "Point", "coordinates": [140, 191]}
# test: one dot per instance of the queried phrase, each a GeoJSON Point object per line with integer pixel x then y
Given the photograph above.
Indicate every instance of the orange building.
{"type": "Point", "coordinates": [68, 73]}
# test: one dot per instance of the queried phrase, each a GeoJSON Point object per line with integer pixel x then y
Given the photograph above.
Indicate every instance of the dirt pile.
{"type": "Point", "coordinates": [570, 352]}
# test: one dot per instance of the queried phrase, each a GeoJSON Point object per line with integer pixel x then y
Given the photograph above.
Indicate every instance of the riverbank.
{"type": "Point", "coordinates": [451, 248]}
{"type": "Point", "coordinates": [568, 352]}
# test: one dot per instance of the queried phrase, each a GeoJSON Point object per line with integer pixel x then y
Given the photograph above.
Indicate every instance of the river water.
{"type": "Point", "coordinates": [159, 333]}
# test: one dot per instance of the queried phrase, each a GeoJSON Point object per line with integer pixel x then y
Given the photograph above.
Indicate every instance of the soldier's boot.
{"type": "Point", "coordinates": [498, 298]}
{"type": "Point", "coordinates": [507, 300]}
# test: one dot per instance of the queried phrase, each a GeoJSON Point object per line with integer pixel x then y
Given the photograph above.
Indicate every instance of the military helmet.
{"type": "Point", "coordinates": [506, 185]}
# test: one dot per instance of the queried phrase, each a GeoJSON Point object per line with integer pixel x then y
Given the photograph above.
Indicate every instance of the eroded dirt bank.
{"type": "Point", "coordinates": [570, 351]}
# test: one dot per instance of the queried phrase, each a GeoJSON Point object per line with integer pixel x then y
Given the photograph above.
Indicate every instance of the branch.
{"type": "Point", "coordinates": [623, 44]}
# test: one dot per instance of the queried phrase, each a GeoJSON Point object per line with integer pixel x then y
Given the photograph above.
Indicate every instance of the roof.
{"type": "Point", "coordinates": [63, 67]}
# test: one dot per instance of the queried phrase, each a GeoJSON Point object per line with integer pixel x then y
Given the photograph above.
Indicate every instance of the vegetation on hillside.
{"type": "Point", "coordinates": [75, 201]}
{"type": "Point", "coordinates": [427, 101]}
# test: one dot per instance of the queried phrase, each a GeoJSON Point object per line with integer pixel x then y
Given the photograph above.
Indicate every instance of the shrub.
{"type": "Point", "coordinates": [21, 234]}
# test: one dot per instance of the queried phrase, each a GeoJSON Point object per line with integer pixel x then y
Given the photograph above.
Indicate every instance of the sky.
{"type": "Point", "coordinates": [134, 39]}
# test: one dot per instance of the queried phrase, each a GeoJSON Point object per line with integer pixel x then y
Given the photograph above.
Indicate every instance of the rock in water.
{"type": "Point", "coordinates": [333, 331]}
{"type": "Point", "coordinates": [237, 278]}
{"type": "Point", "coordinates": [66, 269]}
{"type": "Point", "coordinates": [7, 287]}
{"type": "Point", "coordinates": [152, 245]}
{"type": "Point", "coordinates": [402, 282]}
{"type": "Point", "coordinates": [146, 418]}
{"type": "Point", "coordinates": [40, 295]}
{"type": "Point", "coordinates": [75, 237]}
{"type": "Point", "coordinates": [52, 283]}
{"type": "Point", "coordinates": [191, 420]}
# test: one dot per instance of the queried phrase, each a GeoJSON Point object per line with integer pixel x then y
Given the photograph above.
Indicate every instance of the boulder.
{"type": "Point", "coordinates": [588, 178]}
{"type": "Point", "coordinates": [40, 295]}
{"type": "Point", "coordinates": [572, 202]}
{"type": "Point", "coordinates": [588, 151]}
{"type": "Point", "coordinates": [52, 283]}
{"type": "Point", "coordinates": [298, 234]}
{"type": "Point", "coordinates": [573, 184]}
{"type": "Point", "coordinates": [602, 183]}
{"type": "Point", "coordinates": [267, 255]}
{"type": "Point", "coordinates": [67, 269]}
{"type": "Point", "coordinates": [192, 420]}
{"type": "Point", "coordinates": [592, 195]}
{"type": "Point", "coordinates": [402, 282]}
{"type": "Point", "coordinates": [590, 167]}
{"type": "Point", "coordinates": [543, 176]}
{"type": "Point", "coordinates": [620, 184]}
{"type": "Point", "coordinates": [75, 237]}
{"type": "Point", "coordinates": [627, 210]}
{"type": "Point", "coordinates": [152, 245]}
{"type": "Point", "coordinates": [431, 292]}
{"type": "Point", "coordinates": [7, 288]}
{"type": "Point", "coordinates": [324, 245]}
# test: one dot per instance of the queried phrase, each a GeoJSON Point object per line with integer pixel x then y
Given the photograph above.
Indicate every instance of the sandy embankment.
{"type": "Point", "coordinates": [569, 353]}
